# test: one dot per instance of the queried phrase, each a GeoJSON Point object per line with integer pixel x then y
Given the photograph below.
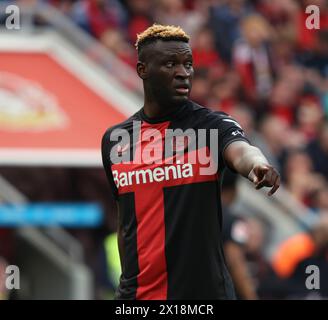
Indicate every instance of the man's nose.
{"type": "Point", "coordinates": [182, 72]}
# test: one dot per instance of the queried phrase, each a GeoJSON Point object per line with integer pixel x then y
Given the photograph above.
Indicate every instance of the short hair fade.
{"type": "Point", "coordinates": [160, 32]}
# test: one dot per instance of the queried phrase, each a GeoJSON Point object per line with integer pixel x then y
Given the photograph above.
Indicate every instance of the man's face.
{"type": "Point", "coordinates": [169, 71]}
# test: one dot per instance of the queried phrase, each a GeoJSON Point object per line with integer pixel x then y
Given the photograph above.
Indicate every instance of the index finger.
{"type": "Point", "coordinates": [275, 186]}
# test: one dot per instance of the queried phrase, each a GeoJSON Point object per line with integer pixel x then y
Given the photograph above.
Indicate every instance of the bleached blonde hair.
{"type": "Point", "coordinates": [161, 32]}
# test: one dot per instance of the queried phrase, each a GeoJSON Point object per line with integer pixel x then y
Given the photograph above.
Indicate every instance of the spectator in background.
{"type": "Point", "coordinates": [309, 116]}
{"type": "Point", "coordinates": [244, 115]}
{"type": "Point", "coordinates": [200, 87]}
{"type": "Point", "coordinates": [300, 178]}
{"type": "Point", "coordinates": [235, 234]}
{"type": "Point", "coordinates": [287, 92]}
{"type": "Point", "coordinates": [94, 16]}
{"type": "Point", "coordinates": [79, 14]}
{"type": "Point", "coordinates": [319, 199]}
{"type": "Point", "coordinates": [318, 150]}
{"type": "Point", "coordinates": [115, 41]}
{"type": "Point", "coordinates": [282, 101]}
{"type": "Point", "coordinates": [140, 17]}
{"type": "Point", "coordinates": [225, 91]}
{"type": "Point", "coordinates": [282, 52]}
{"type": "Point", "coordinates": [174, 12]}
{"type": "Point", "coordinates": [104, 15]}
{"type": "Point", "coordinates": [273, 132]}
{"type": "Point", "coordinates": [317, 58]}
{"type": "Point", "coordinates": [282, 15]}
{"type": "Point", "coordinates": [317, 88]}
{"type": "Point", "coordinates": [267, 283]}
{"type": "Point", "coordinates": [251, 59]}
{"type": "Point", "coordinates": [225, 20]}
{"type": "Point", "coordinates": [204, 52]}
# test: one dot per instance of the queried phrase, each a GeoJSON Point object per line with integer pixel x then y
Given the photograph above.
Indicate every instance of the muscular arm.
{"type": "Point", "coordinates": [252, 164]}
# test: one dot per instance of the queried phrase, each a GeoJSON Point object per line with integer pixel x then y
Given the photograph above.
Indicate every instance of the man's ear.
{"type": "Point", "coordinates": [142, 70]}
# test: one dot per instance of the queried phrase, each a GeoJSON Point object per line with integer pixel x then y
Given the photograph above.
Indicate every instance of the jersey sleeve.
{"type": "Point", "coordinates": [106, 146]}
{"type": "Point", "coordinates": [229, 131]}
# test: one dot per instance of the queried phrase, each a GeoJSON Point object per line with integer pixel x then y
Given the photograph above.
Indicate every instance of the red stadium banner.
{"type": "Point", "coordinates": [49, 113]}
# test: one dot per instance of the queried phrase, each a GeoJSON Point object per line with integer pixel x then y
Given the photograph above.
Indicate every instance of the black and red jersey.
{"type": "Point", "coordinates": [170, 212]}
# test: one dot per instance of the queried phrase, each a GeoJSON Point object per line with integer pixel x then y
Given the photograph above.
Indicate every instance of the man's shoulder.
{"type": "Point", "coordinates": [206, 115]}
{"type": "Point", "coordinates": [124, 125]}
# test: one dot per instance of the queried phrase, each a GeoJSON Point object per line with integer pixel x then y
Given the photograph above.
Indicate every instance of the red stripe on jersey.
{"type": "Point", "coordinates": [149, 206]}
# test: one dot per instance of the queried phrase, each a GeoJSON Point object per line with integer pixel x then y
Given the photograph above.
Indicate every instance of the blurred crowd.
{"type": "Point", "coordinates": [256, 60]}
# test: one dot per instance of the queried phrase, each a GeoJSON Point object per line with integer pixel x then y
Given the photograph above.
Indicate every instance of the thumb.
{"type": "Point", "coordinates": [252, 177]}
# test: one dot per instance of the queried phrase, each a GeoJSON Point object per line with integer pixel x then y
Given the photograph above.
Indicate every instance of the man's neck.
{"type": "Point", "coordinates": [154, 109]}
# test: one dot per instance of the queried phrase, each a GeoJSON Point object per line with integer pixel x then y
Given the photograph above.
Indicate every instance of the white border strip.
{"type": "Point", "coordinates": [50, 157]}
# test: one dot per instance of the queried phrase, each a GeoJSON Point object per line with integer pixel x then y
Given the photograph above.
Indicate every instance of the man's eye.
{"type": "Point", "coordinates": [188, 64]}
{"type": "Point", "coordinates": [169, 64]}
